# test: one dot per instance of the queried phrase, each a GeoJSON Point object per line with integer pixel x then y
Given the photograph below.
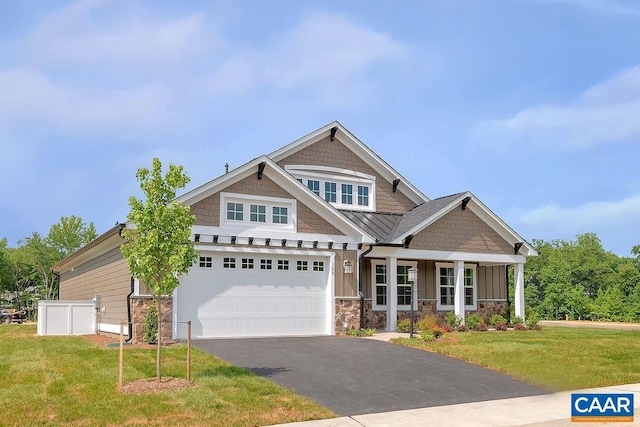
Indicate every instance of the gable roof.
{"type": "Point", "coordinates": [350, 141]}
{"type": "Point", "coordinates": [288, 183]}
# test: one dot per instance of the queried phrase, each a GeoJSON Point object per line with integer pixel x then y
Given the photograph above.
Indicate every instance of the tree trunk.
{"type": "Point", "coordinates": [159, 340]}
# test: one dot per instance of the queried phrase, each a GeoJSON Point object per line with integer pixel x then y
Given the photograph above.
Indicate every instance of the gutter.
{"type": "Point", "coordinates": [360, 293]}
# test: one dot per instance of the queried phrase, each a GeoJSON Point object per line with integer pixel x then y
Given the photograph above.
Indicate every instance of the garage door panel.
{"type": "Point", "coordinates": [226, 302]}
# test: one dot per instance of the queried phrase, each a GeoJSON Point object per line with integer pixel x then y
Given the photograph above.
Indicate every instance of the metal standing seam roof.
{"type": "Point", "coordinates": [386, 227]}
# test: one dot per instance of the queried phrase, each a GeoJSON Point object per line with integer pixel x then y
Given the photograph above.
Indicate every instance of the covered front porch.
{"type": "Point", "coordinates": [458, 282]}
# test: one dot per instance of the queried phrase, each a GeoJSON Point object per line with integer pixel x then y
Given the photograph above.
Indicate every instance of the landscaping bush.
{"type": "Point", "coordinates": [462, 328]}
{"type": "Point", "coordinates": [520, 327]}
{"type": "Point", "coordinates": [427, 323]}
{"type": "Point", "coordinates": [367, 332]}
{"type": "Point", "coordinates": [482, 327]}
{"type": "Point", "coordinates": [453, 320]}
{"type": "Point", "coordinates": [495, 319]}
{"type": "Point", "coordinates": [403, 325]}
{"type": "Point", "coordinates": [427, 336]}
{"type": "Point", "coordinates": [438, 332]}
{"type": "Point", "coordinates": [445, 328]}
{"type": "Point", "coordinates": [473, 320]}
{"type": "Point", "coordinates": [517, 321]}
{"type": "Point", "coordinates": [151, 325]}
{"type": "Point", "coordinates": [532, 322]}
{"type": "Point", "coordinates": [502, 326]}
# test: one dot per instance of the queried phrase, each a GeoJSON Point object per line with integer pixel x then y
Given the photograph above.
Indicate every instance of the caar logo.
{"type": "Point", "coordinates": [602, 407]}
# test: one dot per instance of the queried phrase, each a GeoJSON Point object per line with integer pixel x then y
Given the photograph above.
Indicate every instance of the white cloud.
{"type": "Point", "coordinates": [603, 7]}
{"type": "Point", "coordinates": [324, 50]}
{"type": "Point", "coordinates": [30, 95]}
{"type": "Point", "coordinates": [583, 217]}
{"type": "Point", "coordinates": [605, 113]}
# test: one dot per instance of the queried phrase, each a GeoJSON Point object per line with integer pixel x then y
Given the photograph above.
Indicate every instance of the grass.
{"type": "Point", "coordinates": [70, 381]}
{"type": "Point", "coordinates": [555, 358]}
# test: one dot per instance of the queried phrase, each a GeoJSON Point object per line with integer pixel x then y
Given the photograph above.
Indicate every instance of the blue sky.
{"type": "Point", "coordinates": [533, 105]}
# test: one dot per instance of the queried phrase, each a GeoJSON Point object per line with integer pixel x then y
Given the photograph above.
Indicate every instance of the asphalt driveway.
{"type": "Point", "coordinates": [353, 376]}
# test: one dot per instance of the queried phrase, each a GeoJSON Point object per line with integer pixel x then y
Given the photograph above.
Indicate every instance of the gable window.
{"type": "Point", "coordinates": [314, 186]}
{"type": "Point", "coordinates": [330, 192]}
{"type": "Point", "coordinates": [283, 264]}
{"type": "Point", "coordinates": [235, 211]}
{"type": "Point", "coordinates": [265, 264]}
{"type": "Point", "coordinates": [257, 213]}
{"type": "Point", "coordinates": [247, 263]}
{"type": "Point", "coordinates": [380, 288]}
{"type": "Point", "coordinates": [363, 195]}
{"type": "Point", "coordinates": [228, 262]}
{"type": "Point", "coordinates": [205, 262]}
{"type": "Point", "coordinates": [445, 280]}
{"type": "Point", "coordinates": [347, 194]}
{"type": "Point", "coordinates": [318, 265]}
{"type": "Point", "coordinates": [280, 215]}
{"type": "Point", "coordinates": [302, 266]}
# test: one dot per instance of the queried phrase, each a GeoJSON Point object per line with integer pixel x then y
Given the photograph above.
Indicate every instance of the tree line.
{"type": "Point", "coordinates": [26, 270]}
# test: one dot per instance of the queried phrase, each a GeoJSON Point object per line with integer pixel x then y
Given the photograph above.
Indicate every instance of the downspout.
{"type": "Point", "coordinates": [360, 293]}
{"type": "Point", "coordinates": [506, 275]}
{"type": "Point", "coordinates": [58, 276]}
{"type": "Point", "coordinates": [129, 310]}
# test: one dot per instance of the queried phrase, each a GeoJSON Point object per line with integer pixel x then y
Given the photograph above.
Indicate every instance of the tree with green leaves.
{"type": "Point", "coordinates": [41, 258]}
{"type": "Point", "coordinates": [159, 248]}
{"type": "Point", "coordinates": [70, 234]}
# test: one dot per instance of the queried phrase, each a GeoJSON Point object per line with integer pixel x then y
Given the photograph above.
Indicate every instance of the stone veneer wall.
{"type": "Point", "coordinates": [347, 310]}
{"type": "Point", "coordinates": [378, 319]}
{"type": "Point", "coordinates": [139, 309]}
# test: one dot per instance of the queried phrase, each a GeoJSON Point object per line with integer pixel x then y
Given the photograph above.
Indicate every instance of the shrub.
{"type": "Point", "coordinates": [495, 319]}
{"type": "Point", "coordinates": [445, 328]}
{"type": "Point", "coordinates": [502, 326]}
{"type": "Point", "coordinates": [517, 321]}
{"type": "Point", "coordinates": [427, 336]}
{"type": "Point", "coordinates": [473, 320]}
{"type": "Point", "coordinates": [361, 332]}
{"type": "Point", "coordinates": [532, 322]}
{"type": "Point", "coordinates": [519, 327]}
{"type": "Point", "coordinates": [462, 328]}
{"type": "Point", "coordinates": [482, 327]}
{"type": "Point", "coordinates": [368, 332]}
{"type": "Point", "coordinates": [403, 325]}
{"type": "Point", "coordinates": [438, 332]}
{"type": "Point", "coordinates": [427, 323]}
{"type": "Point", "coordinates": [151, 325]}
{"type": "Point", "coordinates": [452, 319]}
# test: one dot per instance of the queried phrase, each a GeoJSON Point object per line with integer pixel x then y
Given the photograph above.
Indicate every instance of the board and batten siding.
{"type": "Point", "coordinates": [107, 275]}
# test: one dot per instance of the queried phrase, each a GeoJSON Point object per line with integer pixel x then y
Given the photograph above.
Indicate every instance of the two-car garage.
{"type": "Point", "coordinates": [256, 294]}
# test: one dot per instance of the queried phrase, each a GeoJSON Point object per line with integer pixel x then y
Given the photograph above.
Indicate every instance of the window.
{"type": "Point", "coordinates": [404, 286]}
{"type": "Point", "coordinates": [446, 286]}
{"type": "Point", "coordinates": [363, 195]}
{"type": "Point", "coordinates": [347, 194]}
{"type": "Point", "coordinates": [235, 211]}
{"type": "Point", "coordinates": [318, 265]}
{"type": "Point", "coordinates": [257, 213]}
{"type": "Point", "coordinates": [205, 262]}
{"type": "Point", "coordinates": [302, 266]}
{"type": "Point", "coordinates": [330, 192]}
{"type": "Point", "coordinates": [247, 263]}
{"type": "Point", "coordinates": [314, 186]}
{"type": "Point", "coordinates": [228, 262]}
{"type": "Point", "coordinates": [280, 215]}
{"type": "Point", "coordinates": [283, 264]}
{"type": "Point", "coordinates": [265, 264]}
{"type": "Point", "coordinates": [381, 284]}
{"type": "Point", "coordinates": [380, 288]}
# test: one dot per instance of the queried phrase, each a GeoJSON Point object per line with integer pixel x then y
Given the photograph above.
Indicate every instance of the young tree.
{"type": "Point", "coordinates": [70, 234]}
{"type": "Point", "coordinates": [159, 247]}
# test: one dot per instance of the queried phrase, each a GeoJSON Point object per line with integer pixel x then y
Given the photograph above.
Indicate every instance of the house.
{"type": "Point", "coordinates": [313, 238]}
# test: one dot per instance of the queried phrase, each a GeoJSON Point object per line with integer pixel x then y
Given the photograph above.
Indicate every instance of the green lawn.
{"type": "Point", "coordinates": [554, 358]}
{"type": "Point", "coordinates": [68, 380]}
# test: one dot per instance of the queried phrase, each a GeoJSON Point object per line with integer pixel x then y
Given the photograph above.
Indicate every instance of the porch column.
{"type": "Point", "coordinates": [458, 280]}
{"type": "Point", "coordinates": [518, 273]}
{"type": "Point", "coordinates": [392, 294]}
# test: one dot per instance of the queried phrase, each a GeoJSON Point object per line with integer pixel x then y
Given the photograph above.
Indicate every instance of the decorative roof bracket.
{"type": "Point", "coordinates": [465, 202]}
{"type": "Point", "coordinates": [261, 169]}
{"type": "Point", "coordinates": [395, 184]}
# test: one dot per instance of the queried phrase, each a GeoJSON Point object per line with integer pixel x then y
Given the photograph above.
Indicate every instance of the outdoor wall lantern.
{"type": "Point", "coordinates": [413, 278]}
{"type": "Point", "coordinates": [348, 268]}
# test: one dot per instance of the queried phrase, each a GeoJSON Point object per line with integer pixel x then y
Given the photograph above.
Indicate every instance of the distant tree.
{"type": "Point", "coordinates": [70, 234]}
{"type": "Point", "coordinates": [41, 258]}
{"type": "Point", "coordinates": [5, 268]}
{"type": "Point", "coordinates": [20, 272]}
{"type": "Point", "coordinates": [159, 247]}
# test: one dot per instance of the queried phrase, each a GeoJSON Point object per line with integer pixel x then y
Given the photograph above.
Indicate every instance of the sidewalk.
{"type": "Point", "coordinates": [548, 410]}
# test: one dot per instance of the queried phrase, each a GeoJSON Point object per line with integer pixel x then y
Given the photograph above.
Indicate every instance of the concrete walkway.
{"type": "Point", "coordinates": [551, 410]}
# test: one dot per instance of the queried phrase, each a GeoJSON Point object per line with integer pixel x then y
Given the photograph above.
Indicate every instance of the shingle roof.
{"type": "Point", "coordinates": [386, 227]}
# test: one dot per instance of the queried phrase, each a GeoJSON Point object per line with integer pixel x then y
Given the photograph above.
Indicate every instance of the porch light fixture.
{"type": "Point", "coordinates": [413, 278]}
{"type": "Point", "coordinates": [348, 268]}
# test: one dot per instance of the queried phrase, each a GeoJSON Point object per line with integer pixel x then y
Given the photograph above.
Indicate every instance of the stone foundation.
{"type": "Point", "coordinates": [347, 311]}
{"type": "Point", "coordinates": [139, 309]}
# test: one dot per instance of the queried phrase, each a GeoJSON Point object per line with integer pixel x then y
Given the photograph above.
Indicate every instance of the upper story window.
{"type": "Point", "coordinates": [344, 189]}
{"type": "Point", "coordinates": [246, 211]}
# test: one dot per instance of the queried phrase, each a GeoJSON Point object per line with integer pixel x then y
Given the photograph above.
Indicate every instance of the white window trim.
{"type": "Point", "coordinates": [269, 202]}
{"type": "Point", "coordinates": [442, 307]}
{"type": "Point", "coordinates": [381, 307]}
{"type": "Point", "coordinates": [339, 177]}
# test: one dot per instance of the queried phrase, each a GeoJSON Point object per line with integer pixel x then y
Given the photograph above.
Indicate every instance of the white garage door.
{"type": "Point", "coordinates": [252, 295]}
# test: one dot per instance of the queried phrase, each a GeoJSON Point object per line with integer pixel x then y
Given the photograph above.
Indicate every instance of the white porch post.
{"type": "Point", "coordinates": [458, 280]}
{"type": "Point", "coordinates": [392, 294]}
{"type": "Point", "coordinates": [518, 272]}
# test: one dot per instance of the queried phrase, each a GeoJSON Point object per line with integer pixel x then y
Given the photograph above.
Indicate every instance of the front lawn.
{"type": "Point", "coordinates": [68, 380]}
{"type": "Point", "coordinates": [554, 358]}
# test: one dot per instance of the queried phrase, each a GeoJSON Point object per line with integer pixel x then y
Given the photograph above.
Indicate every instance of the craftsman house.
{"type": "Point", "coordinates": [313, 238]}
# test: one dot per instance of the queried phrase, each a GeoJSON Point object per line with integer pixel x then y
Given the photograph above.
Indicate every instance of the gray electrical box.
{"type": "Point", "coordinates": [96, 302]}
